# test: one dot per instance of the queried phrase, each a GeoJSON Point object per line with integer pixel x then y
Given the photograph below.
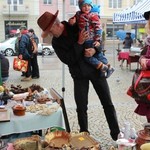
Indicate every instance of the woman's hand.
{"type": "Point", "coordinates": [89, 52]}
{"type": "Point", "coordinates": [83, 36]}
{"type": "Point", "coordinates": [143, 62]}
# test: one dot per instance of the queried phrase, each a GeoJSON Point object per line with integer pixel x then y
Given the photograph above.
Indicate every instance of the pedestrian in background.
{"type": "Point", "coordinates": [127, 41]}
{"type": "Point", "coordinates": [68, 45]}
{"type": "Point", "coordinates": [4, 68]}
{"type": "Point", "coordinates": [22, 30]}
{"type": "Point", "coordinates": [25, 53]}
{"type": "Point", "coordinates": [34, 60]}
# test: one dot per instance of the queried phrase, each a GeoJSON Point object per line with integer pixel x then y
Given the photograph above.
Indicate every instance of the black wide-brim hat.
{"type": "Point", "coordinates": [147, 15]}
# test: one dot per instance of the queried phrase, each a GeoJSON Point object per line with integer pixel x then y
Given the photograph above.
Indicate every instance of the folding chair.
{"type": "Point", "coordinates": [60, 101]}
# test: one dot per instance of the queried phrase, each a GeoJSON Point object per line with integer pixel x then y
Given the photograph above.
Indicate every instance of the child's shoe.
{"type": "Point", "coordinates": [104, 68]}
{"type": "Point", "coordinates": [110, 70]}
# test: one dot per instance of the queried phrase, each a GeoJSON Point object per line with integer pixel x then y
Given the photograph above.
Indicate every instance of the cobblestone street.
{"type": "Point", "coordinates": [51, 75]}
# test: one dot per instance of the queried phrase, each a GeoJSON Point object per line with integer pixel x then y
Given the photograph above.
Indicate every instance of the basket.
{"type": "Point", "coordinates": [57, 139]}
{"type": "Point", "coordinates": [84, 141]}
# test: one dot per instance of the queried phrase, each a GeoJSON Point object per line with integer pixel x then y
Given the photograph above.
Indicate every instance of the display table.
{"type": "Point", "coordinates": [135, 49]}
{"type": "Point", "coordinates": [130, 57]}
{"type": "Point", "coordinates": [31, 122]}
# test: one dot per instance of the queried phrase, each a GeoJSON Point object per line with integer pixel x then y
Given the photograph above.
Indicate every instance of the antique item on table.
{"type": "Point", "coordinates": [38, 94]}
{"type": "Point", "coordinates": [35, 87]}
{"type": "Point", "coordinates": [143, 136]}
{"type": "Point", "coordinates": [29, 143]}
{"type": "Point", "coordinates": [125, 143]}
{"type": "Point", "coordinates": [18, 89]}
{"type": "Point", "coordinates": [84, 140]}
{"type": "Point", "coordinates": [19, 110]}
{"type": "Point", "coordinates": [44, 145]}
{"type": "Point", "coordinates": [34, 108]}
{"type": "Point", "coordinates": [29, 98]}
{"type": "Point", "coordinates": [53, 129]}
{"type": "Point", "coordinates": [42, 109]}
{"type": "Point", "coordinates": [4, 115]}
{"type": "Point", "coordinates": [43, 100]}
{"type": "Point", "coordinates": [112, 148]}
{"type": "Point", "coordinates": [20, 65]}
{"type": "Point", "coordinates": [20, 96]}
{"type": "Point", "coordinates": [5, 95]}
{"type": "Point", "coordinates": [58, 139]}
{"type": "Point", "coordinates": [49, 110]}
{"type": "Point", "coordinates": [5, 98]}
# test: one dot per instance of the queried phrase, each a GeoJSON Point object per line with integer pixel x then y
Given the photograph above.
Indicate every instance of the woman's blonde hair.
{"type": "Point", "coordinates": [147, 27]}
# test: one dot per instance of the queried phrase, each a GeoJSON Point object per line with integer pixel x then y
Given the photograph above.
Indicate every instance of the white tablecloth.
{"type": "Point", "coordinates": [31, 122]}
{"type": "Point", "coordinates": [135, 49]}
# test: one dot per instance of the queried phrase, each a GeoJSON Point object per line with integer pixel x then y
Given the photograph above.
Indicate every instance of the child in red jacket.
{"type": "Point", "coordinates": [90, 21]}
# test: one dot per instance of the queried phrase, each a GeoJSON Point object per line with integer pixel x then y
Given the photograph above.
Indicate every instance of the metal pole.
{"type": "Point", "coordinates": [63, 65]}
{"type": "Point", "coordinates": [63, 85]}
{"type": "Point", "coordinates": [114, 48]}
{"type": "Point", "coordinates": [135, 32]}
{"type": "Point", "coordinates": [9, 21]}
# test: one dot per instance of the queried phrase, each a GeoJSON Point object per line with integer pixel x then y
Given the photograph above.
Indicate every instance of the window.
{"type": "Point", "coordinates": [72, 2]}
{"type": "Point", "coordinates": [14, 4]}
{"type": "Point", "coordinates": [115, 3]}
{"type": "Point", "coordinates": [47, 1]}
{"type": "Point", "coordinates": [19, 2]}
{"type": "Point", "coordinates": [76, 2]}
{"type": "Point", "coordinates": [8, 1]}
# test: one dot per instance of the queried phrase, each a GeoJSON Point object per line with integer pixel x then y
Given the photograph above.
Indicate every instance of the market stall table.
{"type": "Point", "coordinates": [130, 57]}
{"type": "Point", "coordinates": [31, 122]}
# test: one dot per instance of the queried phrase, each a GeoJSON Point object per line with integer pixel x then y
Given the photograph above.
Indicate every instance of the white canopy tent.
{"type": "Point", "coordinates": [132, 15]}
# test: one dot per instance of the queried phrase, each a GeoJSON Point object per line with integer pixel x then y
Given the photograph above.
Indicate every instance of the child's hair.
{"type": "Point", "coordinates": [82, 2]}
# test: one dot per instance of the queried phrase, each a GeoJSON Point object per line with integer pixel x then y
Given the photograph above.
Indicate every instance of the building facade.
{"type": "Point", "coordinates": [15, 13]}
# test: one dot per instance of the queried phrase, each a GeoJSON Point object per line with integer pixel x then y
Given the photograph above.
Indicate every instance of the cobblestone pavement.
{"type": "Point", "coordinates": [51, 75]}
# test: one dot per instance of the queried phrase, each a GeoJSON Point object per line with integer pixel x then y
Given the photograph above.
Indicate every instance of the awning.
{"type": "Point", "coordinates": [132, 15]}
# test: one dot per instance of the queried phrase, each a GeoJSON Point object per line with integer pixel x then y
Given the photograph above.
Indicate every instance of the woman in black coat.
{"type": "Point", "coordinates": [4, 68]}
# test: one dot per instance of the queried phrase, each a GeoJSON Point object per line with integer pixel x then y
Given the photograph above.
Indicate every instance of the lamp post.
{"type": "Point", "coordinates": [9, 18]}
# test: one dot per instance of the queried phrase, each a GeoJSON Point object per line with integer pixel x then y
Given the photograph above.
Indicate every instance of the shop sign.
{"type": "Point", "coordinates": [11, 27]}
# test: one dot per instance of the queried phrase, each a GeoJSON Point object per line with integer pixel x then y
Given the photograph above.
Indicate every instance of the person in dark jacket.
{"type": "Point", "coordinates": [25, 53]}
{"type": "Point", "coordinates": [128, 41]}
{"type": "Point", "coordinates": [68, 45]}
{"type": "Point", "coordinates": [34, 61]}
{"type": "Point", "coordinates": [22, 30]}
{"type": "Point", "coordinates": [4, 67]}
